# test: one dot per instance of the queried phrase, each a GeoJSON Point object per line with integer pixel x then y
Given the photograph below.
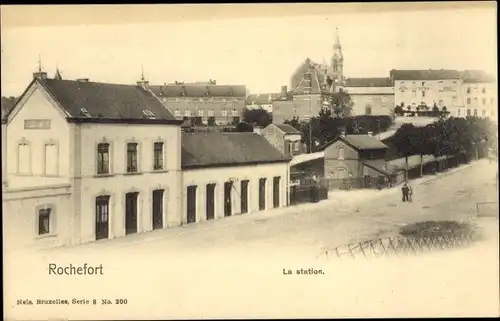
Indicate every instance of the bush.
{"type": "Point", "coordinates": [435, 228]}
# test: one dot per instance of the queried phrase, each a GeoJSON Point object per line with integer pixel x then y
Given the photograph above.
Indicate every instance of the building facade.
{"type": "Point", "coordinates": [223, 175]}
{"type": "Point", "coordinates": [89, 161]}
{"type": "Point", "coordinates": [480, 94]}
{"type": "Point", "coordinates": [285, 138]}
{"type": "Point", "coordinates": [205, 103]}
{"type": "Point", "coordinates": [347, 156]}
{"type": "Point", "coordinates": [264, 101]}
{"type": "Point", "coordinates": [371, 96]}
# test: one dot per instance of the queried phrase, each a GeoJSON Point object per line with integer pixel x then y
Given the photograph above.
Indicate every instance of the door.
{"type": "Point", "coordinates": [158, 209]}
{"type": "Point", "coordinates": [262, 194]}
{"type": "Point", "coordinates": [210, 201]}
{"type": "Point", "coordinates": [131, 212]}
{"type": "Point", "coordinates": [276, 191]}
{"type": "Point", "coordinates": [244, 196]}
{"type": "Point", "coordinates": [102, 217]}
{"type": "Point", "coordinates": [191, 204]}
{"type": "Point", "coordinates": [227, 198]}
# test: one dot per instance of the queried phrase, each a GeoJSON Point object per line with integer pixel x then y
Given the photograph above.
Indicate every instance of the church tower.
{"type": "Point", "coordinates": [336, 70]}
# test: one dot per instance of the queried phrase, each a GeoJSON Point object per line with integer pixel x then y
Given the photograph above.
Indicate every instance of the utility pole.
{"type": "Point", "coordinates": [378, 125]}
{"type": "Point", "coordinates": [310, 124]}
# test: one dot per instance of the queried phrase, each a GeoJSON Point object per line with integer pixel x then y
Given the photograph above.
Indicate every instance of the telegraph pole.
{"type": "Point", "coordinates": [310, 124]}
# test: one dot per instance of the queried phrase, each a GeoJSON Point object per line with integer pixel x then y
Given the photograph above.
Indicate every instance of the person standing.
{"type": "Point", "coordinates": [405, 191]}
{"type": "Point", "coordinates": [410, 193]}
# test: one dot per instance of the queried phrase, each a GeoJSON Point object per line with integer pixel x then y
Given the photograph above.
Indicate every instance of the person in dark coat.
{"type": "Point", "coordinates": [405, 191]}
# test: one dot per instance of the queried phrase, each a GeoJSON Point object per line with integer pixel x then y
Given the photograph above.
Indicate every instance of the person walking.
{"type": "Point", "coordinates": [405, 191]}
{"type": "Point", "coordinates": [410, 193]}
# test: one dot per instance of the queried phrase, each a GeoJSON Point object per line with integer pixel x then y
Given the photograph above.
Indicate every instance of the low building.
{"type": "Point", "coordinates": [206, 103]}
{"type": "Point", "coordinates": [354, 156]}
{"type": "Point", "coordinates": [225, 174]}
{"type": "Point", "coordinates": [285, 138]}
{"type": "Point", "coordinates": [264, 101]}
{"type": "Point", "coordinates": [371, 96]}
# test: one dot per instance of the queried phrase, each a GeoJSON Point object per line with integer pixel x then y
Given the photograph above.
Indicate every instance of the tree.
{"type": "Point", "coordinates": [341, 104]}
{"type": "Point", "coordinates": [398, 110]}
{"type": "Point", "coordinates": [243, 127]}
{"type": "Point", "coordinates": [435, 111]}
{"type": "Point", "coordinates": [294, 122]}
{"type": "Point", "coordinates": [257, 117]}
{"type": "Point", "coordinates": [407, 142]}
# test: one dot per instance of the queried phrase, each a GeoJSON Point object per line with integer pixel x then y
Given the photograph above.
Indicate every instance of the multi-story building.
{"type": "Point", "coordinates": [285, 138]}
{"type": "Point", "coordinates": [415, 89]}
{"type": "Point", "coordinates": [480, 94]}
{"type": "Point", "coordinates": [205, 103]}
{"type": "Point", "coordinates": [370, 96]}
{"type": "Point", "coordinates": [87, 161]}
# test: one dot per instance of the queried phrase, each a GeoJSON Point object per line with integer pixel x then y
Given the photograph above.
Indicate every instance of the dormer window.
{"type": "Point", "coordinates": [148, 113]}
{"type": "Point", "coordinates": [85, 113]}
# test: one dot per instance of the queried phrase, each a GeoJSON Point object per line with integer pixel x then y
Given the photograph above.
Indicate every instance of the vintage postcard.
{"type": "Point", "coordinates": [321, 160]}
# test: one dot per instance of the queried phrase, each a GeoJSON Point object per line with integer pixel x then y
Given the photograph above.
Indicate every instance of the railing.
{"type": "Point", "coordinates": [487, 209]}
{"type": "Point", "coordinates": [399, 245]}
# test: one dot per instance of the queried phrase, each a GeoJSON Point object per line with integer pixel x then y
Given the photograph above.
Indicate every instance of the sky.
{"type": "Point", "coordinates": [261, 53]}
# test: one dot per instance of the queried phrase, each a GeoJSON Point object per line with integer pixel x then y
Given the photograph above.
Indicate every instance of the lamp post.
{"type": "Point", "coordinates": [378, 126]}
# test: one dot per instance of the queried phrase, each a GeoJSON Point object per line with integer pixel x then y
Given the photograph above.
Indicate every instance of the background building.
{"type": "Point", "coordinates": [264, 101]}
{"type": "Point", "coordinates": [203, 102]}
{"type": "Point", "coordinates": [480, 94]}
{"type": "Point", "coordinates": [371, 96]}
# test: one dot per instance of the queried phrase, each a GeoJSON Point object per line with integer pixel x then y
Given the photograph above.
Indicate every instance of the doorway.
{"type": "Point", "coordinates": [158, 208]}
{"type": "Point", "coordinates": [262, 194]}
{"type": "Point", "coordinates": [244, 196]}
{"type": "Point", "coordinates": [191, 204]}
{"type": "Point", "coordinates": [210, 201]}
{"type": "Point", "coordinates": [131, 212]}
{"type": "Point", "coordinates": [227, 198]}
{"type": "Point", "coordinates": [276, 191]}
{"type": "Point", "coordinates": [102, 217]}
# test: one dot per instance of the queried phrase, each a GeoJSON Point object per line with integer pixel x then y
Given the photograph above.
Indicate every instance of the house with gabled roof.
{"type": "Point", "coordinates": [355, 156]}
{"type": "Point", "coordinates": [285, 138]}
{"type": "Point", "coordinates": [90, 161]}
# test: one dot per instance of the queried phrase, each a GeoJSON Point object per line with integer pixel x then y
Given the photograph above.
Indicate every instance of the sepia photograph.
{"type": "Point", "coordinates": [279, 160]}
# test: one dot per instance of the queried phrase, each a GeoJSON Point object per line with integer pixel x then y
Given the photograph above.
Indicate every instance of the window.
{"type": "Point", "coordinates": [200, 113]}
{"type": "Point", "coordinates": [458, 113]}
{"type": "Point", "coordinates": [468, 112]}
{"type": "Point", "coordinates": [402, 89]}
{"type": "Point", "coordinates": [484, 101]}
{"type": "Point", "coordinates": [423, 83]}
{"type": "Point", "coordinates": [468, 100]}
{"type": "Point", "coordinates": [44, 221]}
{"type": "Point", "coordinates": [187, 113]}
{"type": "Point", "coordinates": [484, 90]}
{"type": "Point", "coordinates": [103, 158]}
{"type": "Point", "coordinates": [341, 153]}
{"type": "Point", "coordinates": [177, 113]}
{"type": "Point", "coordinates": [24, 158]}
{"type": "Point", "coordinates": [51, 160]}
{"type": "Point", "coordinates": [224, 113]}
{"type": "Point", "coordinates": [235, 113]}
{"type": "Point", "coordinates": [211, 113]}
{"type": "Point", "coordinates": [468, 90]}
{"type": "Point", "coordinates": [131, 157]}
{"type": "Point", "coordinates": [475, 112]}
{"type": "Point", "coordinates": [414, 93]}
{"type": "Point", "coordinates": [296, 146]}
{"type": "Point", "coordinates": [368, 110]}
{"type": "Point", "coordinates": [423, 93]}
{"type": "Point", "coordinates": [158, 156]}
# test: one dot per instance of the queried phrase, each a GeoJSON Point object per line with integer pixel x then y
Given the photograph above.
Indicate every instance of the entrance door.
{"type": "Point", "coordinates": [262, 193]}
{"type": "Point", "coordinates": [227, 198]}
{"type": "Point", "coordinates": [158, 209]}
{"type": "Point", "coordinates": [244, 196]}
{"type": "Point", "coordinates": [210, 201]}
{"type": "Point", "coordinates": [102, 217]}
{"type": "Point", "coordinates": [191, 204]}
{"type": "Point", "coordinates": [131, 212]}
{"type": "Point", "coordinates": [276, 191]}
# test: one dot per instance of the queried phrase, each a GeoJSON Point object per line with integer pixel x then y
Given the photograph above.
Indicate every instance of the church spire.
{"type": "Point", "coordinates": [57, 75]}
{"type": "Point", "coordinates": [39, 74]}
{"type": "Point", "coordinates": [337, 39]}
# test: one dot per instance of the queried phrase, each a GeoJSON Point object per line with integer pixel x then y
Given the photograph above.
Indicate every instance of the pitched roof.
{"type": "Point", "coordinates": [318, 77]}
{"type": "Point", "coordinates": [430, 74]}
{"type": "Point", "coordinates": [262, 99]}
{"type": "Point", "coordinates": [360, 142]}
{"type": "Point", "coordinates": [197, 90]}
{"type": "Point", "coordinates": [368, 82]}
{"type": "Point", "coordinates": [226, 149]}
{"type": "Point", "coordinates": [469, 76]}
{"type": "Point", "coordinates": [91, 100]}
{"type": "Point", "coordinates": [286, 128]}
